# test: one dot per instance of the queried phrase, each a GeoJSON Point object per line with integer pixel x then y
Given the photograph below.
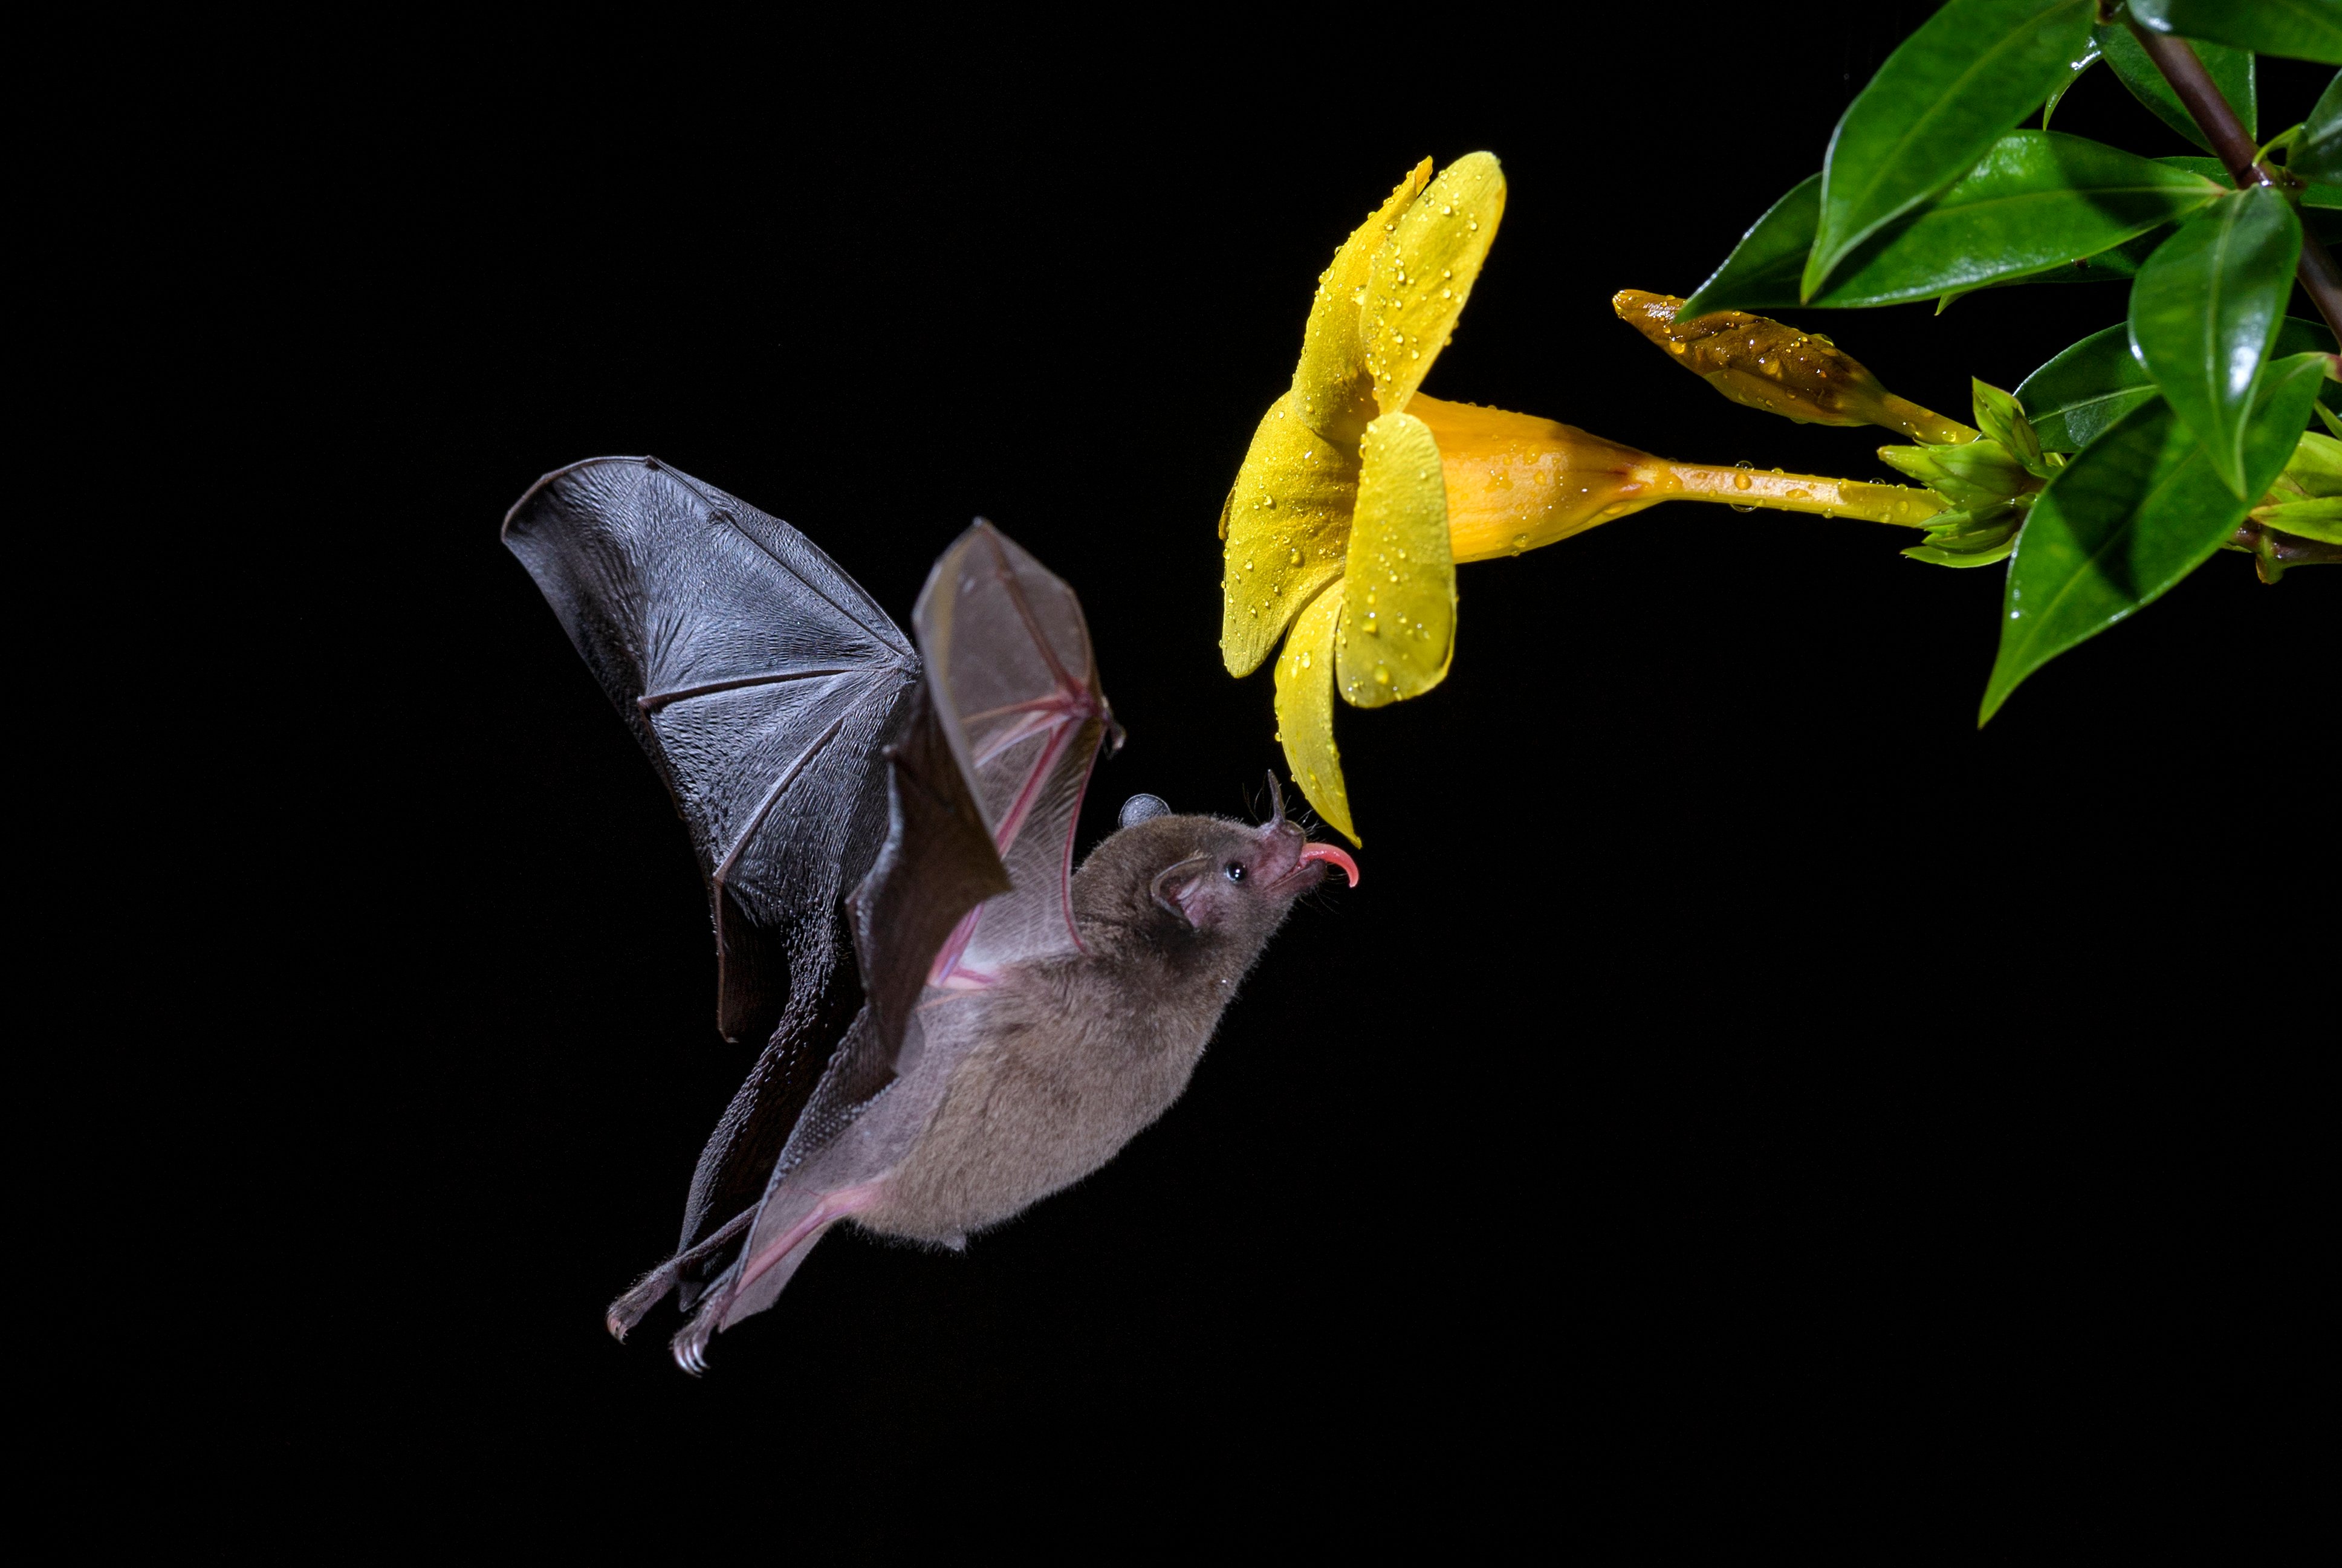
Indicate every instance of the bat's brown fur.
{"type": "Point", "coordinates": [1079, 1053]}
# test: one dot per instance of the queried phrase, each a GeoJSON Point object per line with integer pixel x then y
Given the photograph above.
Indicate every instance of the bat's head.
{"type": "Point", "coordinates": [1206, 882]}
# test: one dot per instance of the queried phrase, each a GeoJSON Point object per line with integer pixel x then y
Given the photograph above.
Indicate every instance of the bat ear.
{"type": "Point", "coordinates": [1175, 884]}
{"type": "Point", "coordinates": [1140, 808]}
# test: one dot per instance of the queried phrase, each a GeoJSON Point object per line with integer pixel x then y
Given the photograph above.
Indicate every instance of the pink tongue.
{"type": "Point", "coordinates": [1327, 852]}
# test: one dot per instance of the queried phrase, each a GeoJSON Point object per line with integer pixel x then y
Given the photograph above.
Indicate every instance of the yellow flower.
{"type": "Point", "coordinates": [1360, 495]}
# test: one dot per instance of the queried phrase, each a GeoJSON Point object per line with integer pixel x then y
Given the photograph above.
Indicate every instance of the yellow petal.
{"type": "Point", "coordinates": [1330, 387]}
{"type": "Point", "coordinates": [1305, 710]}
{"type": "Point", "coordinates": [1417, 285]}
{"type": "Point", "coordinates": [1398, 611]}
{"type": "Point", "coordinates": [1286, 525]}
{"type": "Point", "coordinates": [1516, 482]}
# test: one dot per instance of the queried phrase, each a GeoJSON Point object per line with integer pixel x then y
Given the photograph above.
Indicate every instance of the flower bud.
{"type": "Point", "coordinates": [1767, 364]}
{"type": "Point", "coordinates": [1980, 473]}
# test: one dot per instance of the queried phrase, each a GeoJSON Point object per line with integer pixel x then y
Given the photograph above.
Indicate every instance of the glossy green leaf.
{"type": "Point", "coordinates": [2040, 200]}
{"type": "Point", "coordinates": [2073, 68]}
{"type": "Point", "coordinates": [1765, 267]}
{"type": "Point", "coordinates": [2329, 197]}
{"type": "Point", "coordinates": [1972, 71]}
{"type": "Point", "coordinates": [2210, 168]}
{"type": "Point", "coordinates": [2133, 514]}
{"type": "Point", "coordinates": [2204, 315]}
{"type": "Point", "coordinates": [2119, 265]}
{"type": "Point", "coordinates": [2074, 398]}
{"type": "Point", "coordinates": [2231, 71]}
{"type": "Point", "coordinates": [2298, 29]}
{"type": "Point", "coordinates": [2318, 154]}
{"type": "Point", "coordinates": [2088, 386]}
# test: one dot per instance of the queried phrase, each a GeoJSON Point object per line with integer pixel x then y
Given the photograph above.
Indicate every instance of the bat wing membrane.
{"type": "Point", "coordinates": [764, 685]}
{"type": "Point", "coordinates": [984, 792]}
{"type": "Point", "coordinates": [761, 679]}
{"type": "Point", "coordinates": [1016, 690]}
{"type": "Point", "coordinates": [762, 682]}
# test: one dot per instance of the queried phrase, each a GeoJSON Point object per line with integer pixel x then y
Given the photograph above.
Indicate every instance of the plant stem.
{"type": "Point", "coordinates": [2320, 278]}
{"type": "Point", "coordinates": [1777, 492]}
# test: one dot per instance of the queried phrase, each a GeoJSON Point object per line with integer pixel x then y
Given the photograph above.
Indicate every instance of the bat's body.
{"type": "Point", "coordinates": [1067, 1059]}
{"type": "Point", "coordinates": [1007, 1028]}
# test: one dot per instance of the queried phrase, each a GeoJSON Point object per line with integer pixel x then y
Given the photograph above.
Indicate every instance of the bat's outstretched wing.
{"type": "Point", "coordinates": [990, 768]}
{"type": "Point", "coordinates": [760, 678]}
{"type": "Point", "coordinates": [764, 684]}
{"type": "Point", "coordinates": [1016, 689]}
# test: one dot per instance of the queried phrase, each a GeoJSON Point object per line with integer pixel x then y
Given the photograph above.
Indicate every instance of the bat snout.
{"type": "Point", "coordinates": [1292, 862]}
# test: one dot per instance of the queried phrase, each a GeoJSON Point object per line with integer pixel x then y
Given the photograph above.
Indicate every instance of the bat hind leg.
{"type": "Point", "coordinates": [663, 1281]}
{"type": "Point", "coordinates": [770, 1266]}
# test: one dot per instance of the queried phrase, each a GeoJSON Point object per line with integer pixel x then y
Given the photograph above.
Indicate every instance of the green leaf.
{"type": "Point", "coordinates": [2041, 204]}
{"type": "Point", "coordinates": [2203, 316]}
{"type": "Point", "coordinates": [2119, 265]}
{"type": "Point", "coordinates": [2134, 512]}
{"type": "Point", "coordinates": [1971, 72]}
{"type": "Point", "coordinates": [2231, 71]}
{"type": "Point", "coordinates": [2210, 168]}
{"type": "Point", "coordinates": [2320, 195]}
{"type": "Point", "coordinates": [2040, 200]}
{"type": "Point", "coordinates": [2318, 154]}
{"type": "Point", "coordinates": [2298, 29]}
{"type": "Point", "coordinates": [2088, 386]}
{"type": "Point", "coordinates": [2074, 67]}
{"type": "Point", "coordinates": [1765, 267]}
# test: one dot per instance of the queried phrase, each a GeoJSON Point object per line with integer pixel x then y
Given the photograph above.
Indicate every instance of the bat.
{"type": "Point", "coordinates": [955, 1020]}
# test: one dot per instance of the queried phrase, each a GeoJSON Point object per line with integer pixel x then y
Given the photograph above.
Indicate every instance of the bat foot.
{"type": "Point", "coordinates": [630, 1309]}
{"type": "Point", "coordinates": [689, 1346]}
{"type": "Point", "coordinates": [667, 1280]}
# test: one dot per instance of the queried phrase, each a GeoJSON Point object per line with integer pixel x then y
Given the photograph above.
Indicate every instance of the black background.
{"type": "Point", "coordinates": [1734, 1065]}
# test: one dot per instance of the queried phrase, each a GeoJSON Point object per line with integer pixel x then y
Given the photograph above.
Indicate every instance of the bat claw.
{"type": "Point", "coordinates": [689, 1346]}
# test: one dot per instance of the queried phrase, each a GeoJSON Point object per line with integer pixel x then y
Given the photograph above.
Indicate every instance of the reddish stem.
{"type": "Point", "coordinates": [2320, 278]}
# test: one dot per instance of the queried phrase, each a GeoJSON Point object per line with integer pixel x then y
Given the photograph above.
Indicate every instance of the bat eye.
{"type": "Point", "coordinates": [1235, 869]}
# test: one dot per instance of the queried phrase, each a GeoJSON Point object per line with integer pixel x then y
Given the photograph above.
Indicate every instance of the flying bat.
{"type": "Point", "coordinates": [955, 1022]}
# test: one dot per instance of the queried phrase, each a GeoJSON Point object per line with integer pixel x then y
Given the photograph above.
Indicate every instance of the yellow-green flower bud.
{"type": "Point", "coordinates": [1767, 364]}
